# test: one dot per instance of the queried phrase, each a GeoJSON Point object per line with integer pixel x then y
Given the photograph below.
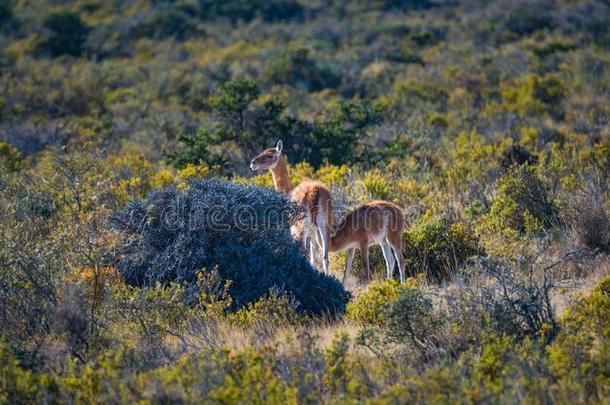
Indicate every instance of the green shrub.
{"type": "Point", "coordinates": [276, 309]}
{"type": "Point", "coordinates": [438, 249]}
{"type": "Point", "coordinates": [410, 319]}
{"type": "Point", "coordinates": [377, 186]}
{"type": "Point", "coordinates": [67, 34]}
{"type": "Point", "coordinates": [298, 69]}
{"type": "Point", "coordinates": [521, 206]}
{"type": "Point", "coordinates": [17, 386]}
{"type": "Point", "coordinates": [244, 125]}
{"type": "Point", "coordinates": [581, 353]}
{"type": "Point", "coordinates": [406, 320]}
{"type": "Point", "coordinates": [472, 157]}
{"type": "Point", "coordinates": [6, 13]}
{"type": "Point", "coordinates": [532, 94]}
{"type": "Point", "coordinates": [247, 10]}
{"type": "Point", "coordinates": [528, 18]}
{"type": "Point", "coordinates": [370, 306]}
{"type": "Point", "coordinates": [552, 46]}
{"type": "Point", "coordinates": [168, 23]}
{"type": "Point", "coordinates": [338, 372]}
{"type": "Point", "coordinates": [10, 158]}
{"type": "Point", "coordinates": [550, 89]}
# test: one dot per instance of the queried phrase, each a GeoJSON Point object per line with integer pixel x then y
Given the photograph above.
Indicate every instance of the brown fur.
{"type": "Point", "coordinates": [362, 228]}
{"type": "Point", "coordinates": [281, 180]}
{"type": "Point", "coordinates": [310, 194]}
{"type": "Point", "coordinates": [313, 194]}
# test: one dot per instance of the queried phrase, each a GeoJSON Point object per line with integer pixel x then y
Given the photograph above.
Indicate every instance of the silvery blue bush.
{"type": "Point", "coordinates": [243, 231]}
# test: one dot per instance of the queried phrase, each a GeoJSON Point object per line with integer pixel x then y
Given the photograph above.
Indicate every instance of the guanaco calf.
{"type": "Point", "coordinates": [312, 195]}
{"type": "Point", "coordinates": [378, 222]}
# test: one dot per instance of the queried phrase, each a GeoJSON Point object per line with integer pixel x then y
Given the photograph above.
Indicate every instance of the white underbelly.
{"type": "Point", "coordinates": [353, 245]}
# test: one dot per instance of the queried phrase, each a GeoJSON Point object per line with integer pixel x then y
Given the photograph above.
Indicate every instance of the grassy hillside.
{"type": "Point", "coordinates": [486, 121]}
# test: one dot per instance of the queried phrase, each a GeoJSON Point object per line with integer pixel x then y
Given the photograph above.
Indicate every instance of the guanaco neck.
{"type": "Point", "coordinates": [281, 180]}
{"type": "Point", "coordinates": [340, 239]}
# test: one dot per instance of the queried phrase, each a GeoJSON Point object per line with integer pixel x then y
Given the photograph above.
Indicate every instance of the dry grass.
{"type": "Point", "coordinates": [588, 220]}
{"type": "Point", "coordinates": [572, 289]}
{"type": "Point", "coordinates": [221, 334]}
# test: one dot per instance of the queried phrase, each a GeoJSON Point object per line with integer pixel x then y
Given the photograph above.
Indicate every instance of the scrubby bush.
{"type": "Point", "coordinates": [369, 307]}
{"type": "Point", "coordinates": [299, 69]}
{"type": "Point", "coordinates": [246, 10]}
{"type": "Point", "coordinates": [550, 89]}
{"type": "Point", "coordinates": [588, 220]}
{"type": "Point", "coordinates": [16, 385]}
{"type": "Point", "coordinates": [437, 248]}
{"type": "Point", "coordinates": [521, 206]}
{"type": "Point", "coordinates": [377, 186]}
{"type": "Point", "coordinates": [168, 23]}
{"type": "Point", "coordinates": [410, 319]}
{"type": "Point", "coordinates": [275, 310]}
{"type": "Point", "coordinates": [533, 94]}
{"type": "Point", "coordinates": [527, 18]}
{"type": "Point", "coordinates": [241, 230]}
{"type": "Point", "coordinates": [581, 353]}
{"type": "Point", "coordinates": [518, 302]}
{"type": "Point", "coordinates": [406, 319]}
{"type": "Point", "coordinates": [67, 34]}
{"type": "Point", "coordinates": [6, 13]}
{"type": "Point", "coordinates": [10, 158]}
{"type": "Point", "coordinates": [516, 155]}
{"type": "Point", "coordinates": [243, 125]}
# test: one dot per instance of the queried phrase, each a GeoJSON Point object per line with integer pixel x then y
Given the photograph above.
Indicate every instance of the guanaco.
{"type": "Point", "coordinates": [378, 222]}
{"type": "Point", "coordinates": [312, 195]}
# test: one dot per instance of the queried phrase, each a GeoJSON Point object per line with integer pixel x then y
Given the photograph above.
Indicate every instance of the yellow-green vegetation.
{"type": "Point", "coordinates": [368, 307]}
{"type": "Point", "coordinates": [122, 123]}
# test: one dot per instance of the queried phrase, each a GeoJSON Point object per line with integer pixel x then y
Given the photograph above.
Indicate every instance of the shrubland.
{"type": "Point", "coordinates": [123, 123]}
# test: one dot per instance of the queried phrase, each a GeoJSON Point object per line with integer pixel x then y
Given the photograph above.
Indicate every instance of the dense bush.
{"type": "Point", "coordinates": [299, 69]}
{"type": "Point", "coordinates": [588, 220]}
{"type": "Point", "coordinates": [10, 158]}
{"type": "Point", "coordinates": [67, 34]}
{"type": "Point", "coordinates": [243, 125]}
{"type": "Point", "coordinates": [6, 13]}
{"type": "Point", "coordinates": [246, 10]}
{"type": "Point", "coordinates": [437, 248]}
{"type": "Point", "coordinates": [369, 307]}
{"type": "Point", "coordinates": [240, 230]}
{"type": "Point", "coordinates": [410, 319]}
{"type": "Point", "coordinates": [521, 206]}
{"type": "Point", "coordinates": [516, 155]}
{"type": "Point", "coordinates": [168, 23]}
{"type": "Point", "coordinates": [582, 351]}
{"type": "Point", "coordinates": [518, 300]}
{"type": "Point", "coordinates": [527, 18]}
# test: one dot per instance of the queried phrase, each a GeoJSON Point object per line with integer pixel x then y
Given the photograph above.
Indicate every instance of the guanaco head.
{"type": "Point", "coordinates": [268, 158]}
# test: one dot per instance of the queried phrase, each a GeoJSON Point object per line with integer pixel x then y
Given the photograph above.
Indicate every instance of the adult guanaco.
{"type": "Point", "coordinates": [378, 222]}
{"type": "Point", "coordinates": [312, 195]}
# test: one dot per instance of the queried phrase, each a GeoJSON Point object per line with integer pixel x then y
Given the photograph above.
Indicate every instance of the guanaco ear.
{"type": "Point", "coordinates": [279, 146]}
